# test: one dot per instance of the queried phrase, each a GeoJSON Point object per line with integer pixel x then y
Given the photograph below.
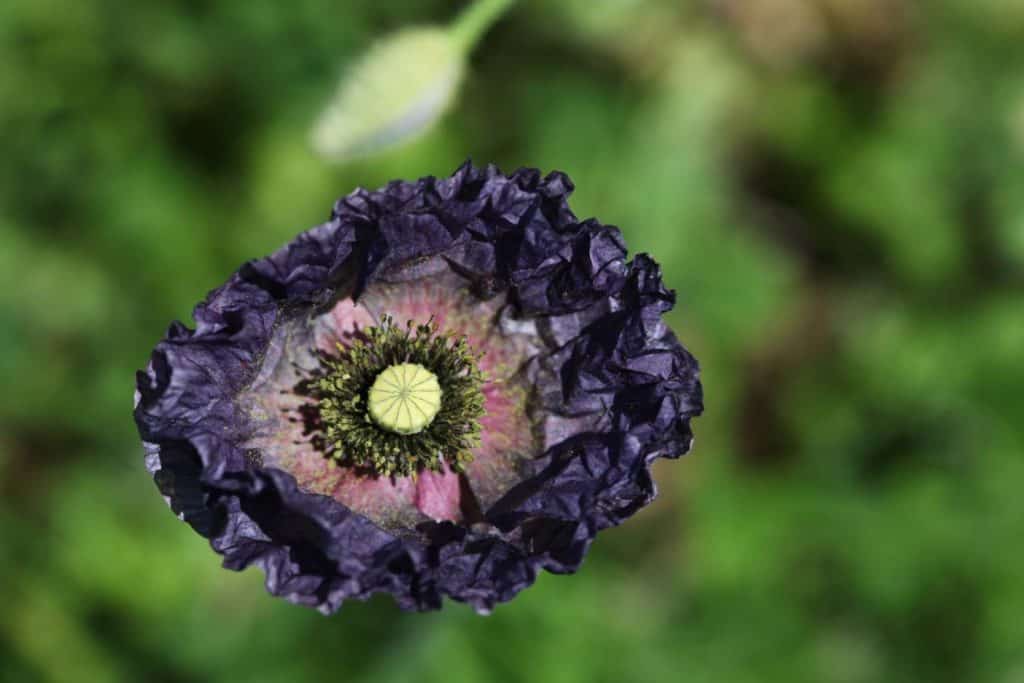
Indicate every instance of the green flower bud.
{"type": "Point", "coordinates": [393, 94]}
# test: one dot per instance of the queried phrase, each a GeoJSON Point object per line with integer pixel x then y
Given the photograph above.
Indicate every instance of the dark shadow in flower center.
{"type": "Point", "coordinates": [313, 428]}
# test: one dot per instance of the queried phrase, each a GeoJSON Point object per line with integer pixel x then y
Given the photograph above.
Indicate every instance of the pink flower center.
{"type": "Point", "coordinates": [286, 441]}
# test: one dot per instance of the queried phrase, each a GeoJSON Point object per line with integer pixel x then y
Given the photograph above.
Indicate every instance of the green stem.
{"type": "Point", "coordinates": [474, 21]}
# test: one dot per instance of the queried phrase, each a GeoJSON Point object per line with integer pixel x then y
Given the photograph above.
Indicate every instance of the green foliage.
{"type": "Point", "coordinates": [840, 206]}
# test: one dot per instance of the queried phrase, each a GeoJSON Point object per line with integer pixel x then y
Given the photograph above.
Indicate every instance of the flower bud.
{"type": "Point", "coordinates": [395, 92]}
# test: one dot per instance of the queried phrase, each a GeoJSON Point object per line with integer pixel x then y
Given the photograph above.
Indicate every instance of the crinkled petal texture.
{"type": "Point", "coordinates": [587, 388]}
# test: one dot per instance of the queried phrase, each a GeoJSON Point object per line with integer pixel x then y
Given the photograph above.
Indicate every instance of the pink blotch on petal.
{"type": "Point", "coordinates": [343, 321]}
{"type": "Point", "coordinates": [438, 495]}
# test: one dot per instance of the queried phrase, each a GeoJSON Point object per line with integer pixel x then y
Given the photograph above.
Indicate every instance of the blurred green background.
{"type": "Point", "coordinates": [834, 187]}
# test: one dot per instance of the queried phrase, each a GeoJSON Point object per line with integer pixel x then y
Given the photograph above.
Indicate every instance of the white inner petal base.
{"type": "Point", "coordinates": [405, 398]}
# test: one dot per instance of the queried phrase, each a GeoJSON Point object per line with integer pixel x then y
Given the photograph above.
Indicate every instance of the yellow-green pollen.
{"type": "Point", "coordinates": [405, 398]}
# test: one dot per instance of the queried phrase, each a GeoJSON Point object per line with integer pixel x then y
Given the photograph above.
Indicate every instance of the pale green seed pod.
{"type": "Point", "coordinates": [405, 398]}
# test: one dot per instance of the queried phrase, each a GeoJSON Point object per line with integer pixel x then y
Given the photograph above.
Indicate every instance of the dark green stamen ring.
{"type": "Point", "coordinates": [401, 400]}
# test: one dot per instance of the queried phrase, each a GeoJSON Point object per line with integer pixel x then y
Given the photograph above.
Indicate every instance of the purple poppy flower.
{"type": "Point", "coordinates": [445, 388]}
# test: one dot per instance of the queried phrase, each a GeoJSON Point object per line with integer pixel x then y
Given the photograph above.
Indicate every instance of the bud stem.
{"type": "Point", "coordinates": [474, 21]}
